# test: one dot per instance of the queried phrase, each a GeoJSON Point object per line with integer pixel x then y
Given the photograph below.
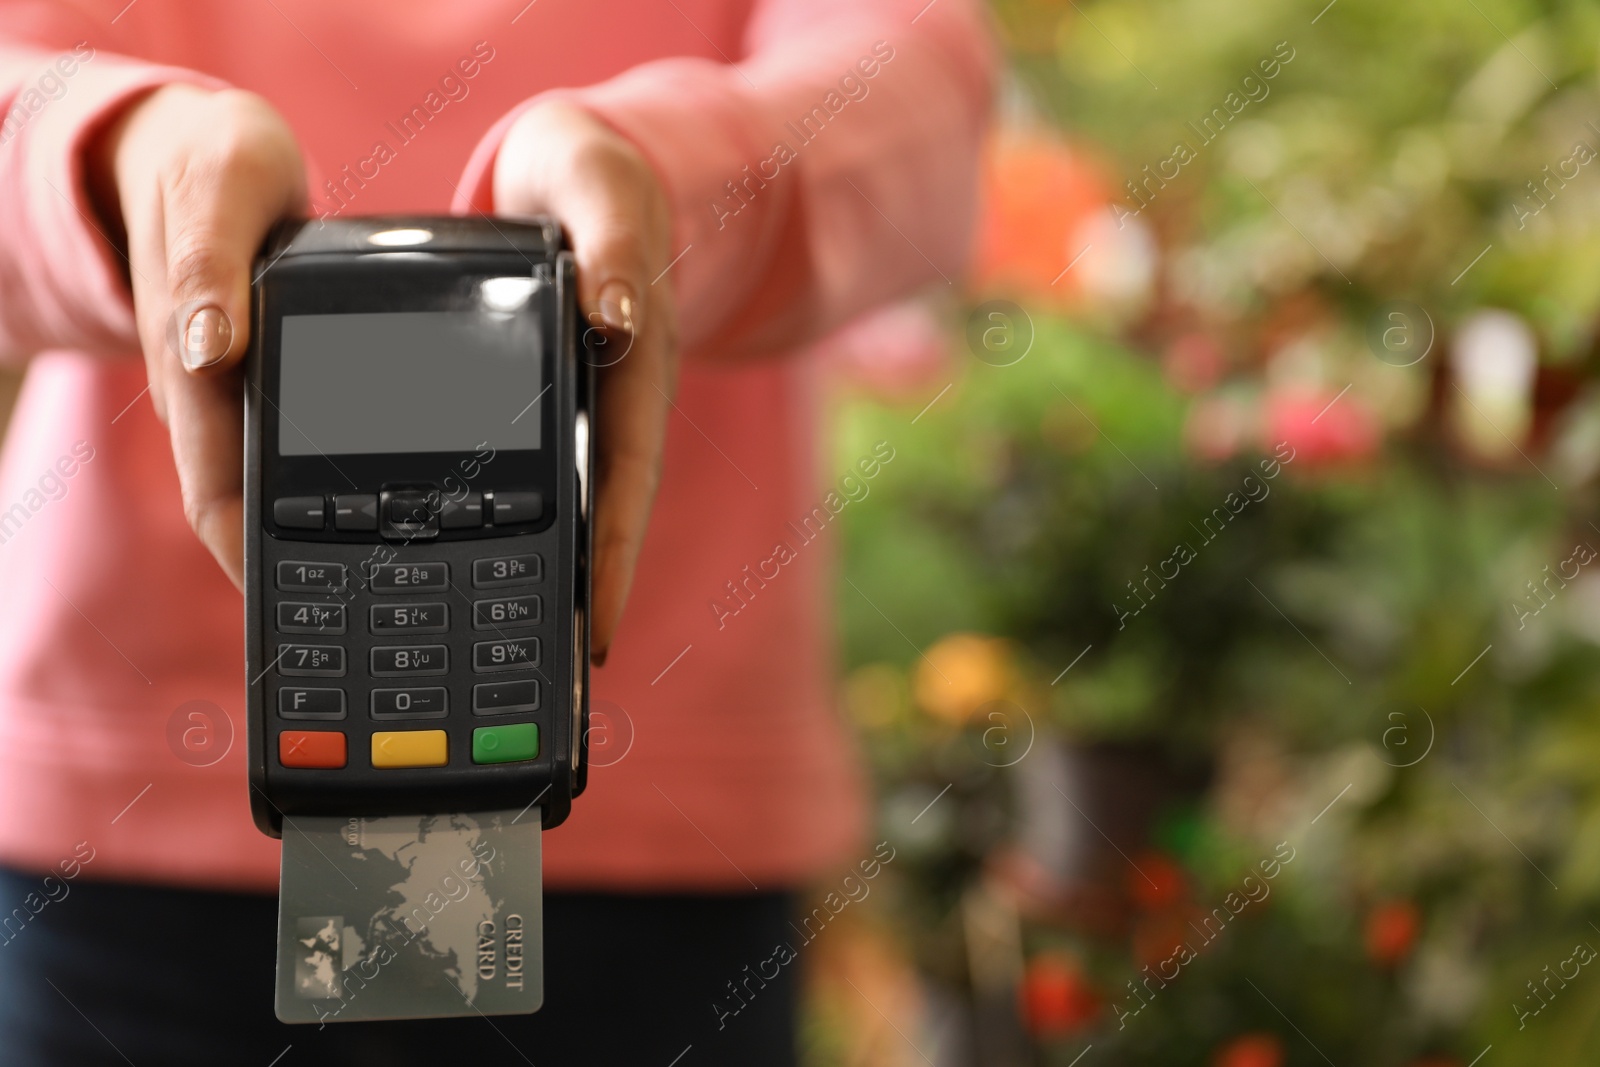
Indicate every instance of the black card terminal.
{"type": "Point", "coordinates": [417, 501]}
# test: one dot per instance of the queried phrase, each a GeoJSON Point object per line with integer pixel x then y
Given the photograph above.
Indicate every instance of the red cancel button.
{"type": "Point", "coordinates": [311, 748]}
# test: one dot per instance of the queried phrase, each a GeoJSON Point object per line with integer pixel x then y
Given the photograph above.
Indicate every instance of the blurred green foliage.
{"type": "Point", "coordinates": [1387, 660]}
{"type": "Point", "coordinates": [1335, 617]}
{"type": "Point", "coordinates": [1400, 141]}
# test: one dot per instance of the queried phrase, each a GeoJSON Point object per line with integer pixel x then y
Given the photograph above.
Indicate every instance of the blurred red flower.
{"type": "Point", "coordinates": [1057, 1000]}
{"type": "Point", "coordinates": [1157, 882]}
{"type": "Point", "coordinates": [1391, 931]}
{"type": "Point", "coordinates": [1323, 427]}
{"type": "Point", "coordinates": [1036, 191]}
{"type": "Point", "coordinates": [1251, 1050]}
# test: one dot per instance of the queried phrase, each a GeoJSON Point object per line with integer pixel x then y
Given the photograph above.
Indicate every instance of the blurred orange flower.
{"type": "Point", "coordinates": [1251, 1050]}
{"type": "Point", "coordinates": [1036, 192]}
{"type": "Point", "coordinates": [961, 673]}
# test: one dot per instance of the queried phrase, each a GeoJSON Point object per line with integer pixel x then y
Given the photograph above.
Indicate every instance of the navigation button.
{"type": "Point", "coordinates": [355, 511]}
{"type": "Point", "coordinates": [410, 505]}
{"type": "Point", "coordinates": [463, 514]}
{"type": "Point", "coordinates": [298, 512]}
{"type": "Point", "coordinates": [409, 514]}
{"type": "Point", "coordinates": [512, 508]}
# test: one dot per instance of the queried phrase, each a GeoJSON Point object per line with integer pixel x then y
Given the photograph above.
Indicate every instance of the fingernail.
{"type": "Point", "coordinates": [616, 305]}
{"type": "Point", "coordinates": [598, 659]}
{"type": "Point", "coordinates": [206, 337]}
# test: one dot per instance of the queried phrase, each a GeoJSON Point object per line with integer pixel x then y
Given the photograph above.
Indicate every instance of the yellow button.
{"type": "Point", "coordinates": [410, 748]}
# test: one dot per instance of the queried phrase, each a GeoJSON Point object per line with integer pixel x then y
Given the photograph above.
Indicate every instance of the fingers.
{"type": "Point", "coordinates": [218, 206]}
{"type": "Point", "coordinates": [634, 406]}
{"type": "Point", "coordinates": [201, 178]}
{"type": "Point", "coordinates": [207, 424]}
{"type": "Point", "coordinates": [217, 209]}
{"type": "Point", "coordinates": [607, 213]}
{"type": "Point", "coordinates": [560, 160]}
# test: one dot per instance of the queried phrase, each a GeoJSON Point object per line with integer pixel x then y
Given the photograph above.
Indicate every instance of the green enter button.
{"type": "Point", "coordinates": [505, 744]}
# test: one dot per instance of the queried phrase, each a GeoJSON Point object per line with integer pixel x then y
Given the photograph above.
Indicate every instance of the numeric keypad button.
{"type": "Point", "coordinates": [497, 698]}
{"type": "Point", "coordinates": [311, 661]}
{"type": "Point", "coordinates": [390, 578]}
{"type": "Point", "coordinates": [401, 660]}
{"type": "Point", "coordinates": [505, 613]}
{"type": "Point", "coordinates": [505, 655]}
{"type": "Point", "coordinates": [506, 570]}
{"type": "Point", "coordinates": [297, 617]}
{"type": "Point", "coordinates": [307, 576]}
{"type": "Point", "coordinates": [428, 703]}
{"type": "Point", "coordinates": [409, 618]}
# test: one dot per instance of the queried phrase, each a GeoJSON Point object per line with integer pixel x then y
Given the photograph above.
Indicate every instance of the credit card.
{"type": "Point", "coordinates": [410, 917]}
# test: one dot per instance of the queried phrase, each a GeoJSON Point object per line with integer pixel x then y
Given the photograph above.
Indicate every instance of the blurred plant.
{"type": "Point", "coordinates": [1057, 998]}
{"type": "Point", "coordinates": [1391, 932]}
{"type": "Point", "coordinates": [1251, 1050]}
{"type": "Point", "coordinates": [1325, 644]}
{"type": "Point", "coordinates": [1259, 537]}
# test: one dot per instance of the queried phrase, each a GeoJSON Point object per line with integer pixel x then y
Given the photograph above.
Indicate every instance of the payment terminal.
{"type": "Point", "coordinates": [418, 492]}
{"type": "Point", "coordinates": [417, 507]}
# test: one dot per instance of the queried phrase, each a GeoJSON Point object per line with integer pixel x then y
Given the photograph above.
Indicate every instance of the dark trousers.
{"type": "Point", "coordinates": [115, 974]}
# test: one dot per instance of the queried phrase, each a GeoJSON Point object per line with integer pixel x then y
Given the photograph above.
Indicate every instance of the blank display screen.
{"type": "Point", "coordinates": [415, 381]}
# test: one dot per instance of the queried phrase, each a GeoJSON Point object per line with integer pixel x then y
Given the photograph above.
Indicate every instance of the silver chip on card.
{"type": "Point", "coordinates": [410, 917]}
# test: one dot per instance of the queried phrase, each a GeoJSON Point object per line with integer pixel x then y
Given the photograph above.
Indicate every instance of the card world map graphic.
{"type": "Point", "coordinates": [410, 917]}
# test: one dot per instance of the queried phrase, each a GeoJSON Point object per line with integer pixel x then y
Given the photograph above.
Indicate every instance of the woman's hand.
{"type": "Point", "coordinates": [190, 180]}
{"type": "Point", "coordinates": [559, 160]}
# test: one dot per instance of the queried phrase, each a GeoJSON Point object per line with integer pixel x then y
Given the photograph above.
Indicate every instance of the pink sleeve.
{"type": "Point", "coordinates": [830, 170]}
{"type": "Point", "coordinates": [62, 284]}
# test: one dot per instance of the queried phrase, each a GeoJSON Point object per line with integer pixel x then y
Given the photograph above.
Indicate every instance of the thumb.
{"type": "Point", "coordinates": [216, 216]}
{"type": "Point", "coordinates": [561, 160]}
{"type": "Point", "coordinates": [209, 257]}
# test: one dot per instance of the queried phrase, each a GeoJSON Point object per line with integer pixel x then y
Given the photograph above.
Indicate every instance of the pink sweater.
{"type": "Point", "coordinates": [820, 156]}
